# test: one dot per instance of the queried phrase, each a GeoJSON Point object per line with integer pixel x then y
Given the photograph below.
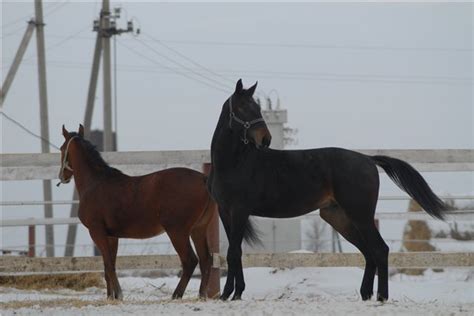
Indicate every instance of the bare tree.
{"type": "Point", "coordinates": [316, 235]}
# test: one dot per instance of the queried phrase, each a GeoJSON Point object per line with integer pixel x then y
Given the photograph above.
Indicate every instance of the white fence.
{"type": "Point", "coordinates": [46, 166]}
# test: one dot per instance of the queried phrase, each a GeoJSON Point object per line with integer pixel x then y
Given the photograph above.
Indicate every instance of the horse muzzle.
{"type": "Point", "coordinates": [261, 137]}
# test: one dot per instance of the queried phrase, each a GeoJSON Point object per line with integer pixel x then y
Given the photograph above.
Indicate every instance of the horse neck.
{"type": "Point", "coordinates": [83, 171]}
{"type": "Point", "coordinates": [226, 147]}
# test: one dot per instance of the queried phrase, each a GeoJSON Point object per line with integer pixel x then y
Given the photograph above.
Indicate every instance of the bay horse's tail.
{"type": "Point", "coordinates": [410, 181]}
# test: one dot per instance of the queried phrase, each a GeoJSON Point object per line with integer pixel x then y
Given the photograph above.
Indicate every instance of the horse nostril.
{"type": "Point", "coordinates": [266, 141]}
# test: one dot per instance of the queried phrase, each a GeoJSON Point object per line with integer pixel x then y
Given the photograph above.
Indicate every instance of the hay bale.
{"type": "Point", "coordinates": [416, 237]}
{"type": "Point", "coordinates": [77, 281]}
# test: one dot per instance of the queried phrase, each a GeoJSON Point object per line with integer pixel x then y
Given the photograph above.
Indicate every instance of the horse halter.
{"type": "Point", "coordinates": [245, 124]}
{"type": "Point", "coordinates": [65, 163]}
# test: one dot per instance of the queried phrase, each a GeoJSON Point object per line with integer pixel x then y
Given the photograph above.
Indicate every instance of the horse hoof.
{"type": "Point", "coordinates": [382, 298]}
{"type": "Point", "coordinates": [176, 296]}
{"type": "Point", "coordinates": [224, 297]}
{"type": "Point", "coordinates": [366, 296]}
{"type": "Point", "coordinates": [237, 298]}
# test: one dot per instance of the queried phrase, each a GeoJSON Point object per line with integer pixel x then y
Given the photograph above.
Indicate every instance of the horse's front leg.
{"type": "Point", "coordinates": [234, 257]}
{"type": "Point", "coordinates": [108, 249]}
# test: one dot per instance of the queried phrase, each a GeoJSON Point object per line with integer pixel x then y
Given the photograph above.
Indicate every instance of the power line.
{"type": "Point", "coordinates": [182, 66]}
{"type": "Point", "coordinates": [59, 6]}
{"type": "Point", "coordinates": [25, 18]}
{"type": "Point", "coordinates": [300, 45]}
{"type": "Point", "coordinates": [172, 69]}
{"type": "Point", "coordinates": [59, 43]}
{"type": "Point", "coordinates": [315, 46]}
{"type": "Point", "coordinates": [23, 127]}
{"type": "Point", "coordinates": [68, 38]}
{"type": "Point", "coordinates": [15, 31]}
{"type": "Point", "coordinates": [55, 6]}
{"type": "Point", "coordinates": [303, 45]}
{"type": "Point", "coordinates": [187, 58]}
{"type": "Point", "coordinates": [305, 76]}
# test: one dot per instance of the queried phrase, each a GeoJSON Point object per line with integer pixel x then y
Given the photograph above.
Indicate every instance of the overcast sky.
{"type": "Point", "coordinates": [359, 75]}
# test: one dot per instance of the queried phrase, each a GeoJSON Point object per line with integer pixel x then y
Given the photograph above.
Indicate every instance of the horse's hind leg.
{"type": "Point", "coordinates": [108, 250]}
{"type": "Point", "coordinates": [188, 258]}
{"type": "Point", "coordinates": [338, 219]}
{"type": "Point", "coordinates": [380, 250]}
{"type": "Point", "coordinates": [199, 236]}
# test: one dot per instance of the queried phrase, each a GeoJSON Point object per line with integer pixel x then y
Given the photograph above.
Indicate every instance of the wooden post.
{"type": "Point", "coordinates": [214, 286]}
{"type": "Point", "coordinates": [31, 240]}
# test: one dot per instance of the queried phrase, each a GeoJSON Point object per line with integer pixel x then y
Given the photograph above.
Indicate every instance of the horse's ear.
{"type": "Point", "coordinates": [81, 130]}
{"type": "Point", "coordinates": [239, 87]}
{"type": "Point", "coordinates": [65, 132]}
{"type": "Point", "coordinates": [251, 90]}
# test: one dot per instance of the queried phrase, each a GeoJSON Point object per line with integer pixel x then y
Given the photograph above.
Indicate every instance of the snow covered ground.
{"type": "Point", "coordinates": [300, 291]}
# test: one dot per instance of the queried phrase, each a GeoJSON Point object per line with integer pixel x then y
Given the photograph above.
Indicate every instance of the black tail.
{"type": "Point", "coordinates": [251, 234]}
{"type": "Point", "coordinates": [410, 181]}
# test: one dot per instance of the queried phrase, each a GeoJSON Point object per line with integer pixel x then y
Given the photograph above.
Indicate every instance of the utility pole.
{"type": "Point", "coordinates": [105, 27]}
{"type": "Point", "coordinates": [37, 24]}
{"type": "Point", "coordinates": [106, 34]}
{"type": "Point", "coordinates": [72, 229]}
{"type": "Point", "coordinates": [47, 194]}
{"type": "Point", "coordinates": [17, 60]}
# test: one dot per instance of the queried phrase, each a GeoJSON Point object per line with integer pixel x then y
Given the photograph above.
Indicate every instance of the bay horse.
{"type": "Point", "coordinates": [248, 178]}
{"type": "Point", "coordinates": [114, 205]}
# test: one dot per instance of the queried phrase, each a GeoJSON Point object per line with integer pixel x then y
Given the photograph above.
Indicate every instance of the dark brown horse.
{"type": "Point", "coordinates": [114, 205]}
{"type": "Point", "coordinates": [247, 178]}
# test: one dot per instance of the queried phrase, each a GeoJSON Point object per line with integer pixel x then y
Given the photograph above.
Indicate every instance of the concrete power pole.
{"type": "Point", "coordinates": [72, 229]}
{"type": "Point", "coordinates": [37, 24]}
{"type": "Point", "coordinates": [47, 194]}
{"type": "Point", "coordinates": [17, 60]}
{"type": "Point", "coordinates": [105, 27]}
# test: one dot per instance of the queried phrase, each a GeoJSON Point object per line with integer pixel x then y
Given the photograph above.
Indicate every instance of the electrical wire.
{"type": "Point", "coordinates": [317, 46]}
{"type": "Point", "coordinates": [181, 65]}
{"type": "Point", "coordinates": [302, 45]}
{"type": "Point", "coordinates": [67, 38]}
{"type": "Point", "coordinates": [175, 71]}
{"type": "Point", "coordinates": [299, 76]}
{"type": "Point", "coordinates": [55, 7]}
{"type": "Point", "coordinates": [186, 58]}
{"type": "Point", "coordinates": [23, 127]}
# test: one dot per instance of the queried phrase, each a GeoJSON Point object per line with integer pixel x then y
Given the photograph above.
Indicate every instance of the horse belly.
{"type": "Point", "coordinates": [137, 230]}
{"type": "Point", "coordinates": [277, 212]}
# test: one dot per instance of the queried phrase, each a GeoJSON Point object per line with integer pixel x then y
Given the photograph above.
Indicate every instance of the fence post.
{"type": "Point", "coordinates": [214, 286]}
{"type": "Point", "coordinates": [31, 240]}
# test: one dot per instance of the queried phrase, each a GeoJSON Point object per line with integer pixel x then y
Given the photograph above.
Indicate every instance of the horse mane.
{"type": "Point", "coordinates": [94, 158]}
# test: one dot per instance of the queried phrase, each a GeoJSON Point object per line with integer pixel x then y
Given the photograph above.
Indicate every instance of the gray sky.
{"type": "Point", "coordinates": [358, 75]}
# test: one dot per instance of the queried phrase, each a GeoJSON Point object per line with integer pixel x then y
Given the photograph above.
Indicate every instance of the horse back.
{"type": "Point", "coordinates": [289, 183]}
